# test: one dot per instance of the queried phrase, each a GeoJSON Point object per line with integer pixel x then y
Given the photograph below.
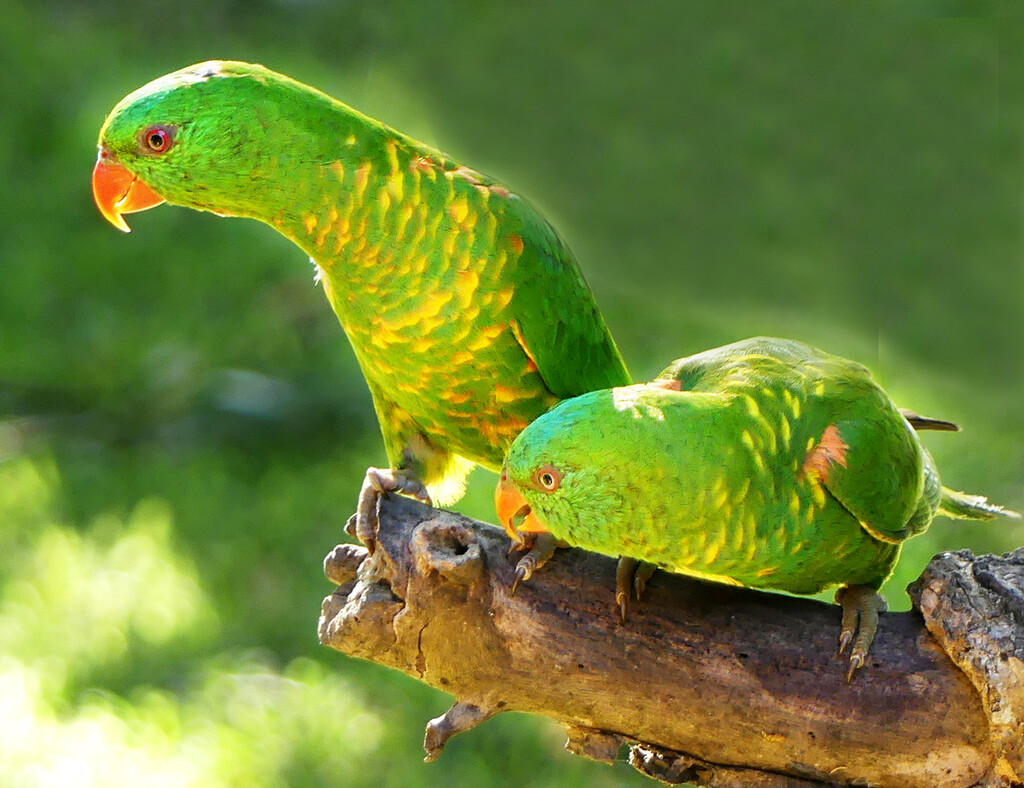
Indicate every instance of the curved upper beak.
{"type": "Point", "coordinates": [514, 512]}
{"type": "Point", "coordinates": [117, 191]}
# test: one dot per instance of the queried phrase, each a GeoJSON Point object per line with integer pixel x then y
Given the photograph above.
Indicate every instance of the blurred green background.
{"type": "Point", "coordinates": [183, 427]}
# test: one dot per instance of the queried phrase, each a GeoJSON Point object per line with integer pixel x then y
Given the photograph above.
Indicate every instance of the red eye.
{"type": "Point", "coordinates": [157, 138]}
{"type": "Point", "coordinates": [548, 478]}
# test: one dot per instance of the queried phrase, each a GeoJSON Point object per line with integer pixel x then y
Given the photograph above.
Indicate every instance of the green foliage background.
{"type": "Point", "coordinates": [183, 427]}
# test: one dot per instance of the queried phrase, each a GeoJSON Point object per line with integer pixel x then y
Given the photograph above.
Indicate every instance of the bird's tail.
{"type": "Point", "coordinates": [970, 507]}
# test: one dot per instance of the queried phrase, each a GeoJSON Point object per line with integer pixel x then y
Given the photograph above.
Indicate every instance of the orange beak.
{"type": "Point", "coordinates": [117, 191]}
{"type": "Point", "coordinates": [514, 512]}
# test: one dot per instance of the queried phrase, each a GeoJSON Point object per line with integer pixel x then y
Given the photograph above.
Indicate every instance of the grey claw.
{"type": "Point", "coordinates": [856, 662]}
{"type": "Point", "coordinates": [622, 599]}
{"type": "Point", "coordinates": [524, 571]}
{"type": "Point", "coordinates": [844, 641]}
{"type": "Point", "coordinates": [520, 576]}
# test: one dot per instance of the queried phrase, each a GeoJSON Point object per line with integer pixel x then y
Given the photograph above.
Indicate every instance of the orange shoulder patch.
{"type": "Point", "coordinates": [831, 450]}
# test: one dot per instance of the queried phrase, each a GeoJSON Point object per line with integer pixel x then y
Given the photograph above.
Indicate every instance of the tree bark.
{"type": "Point", "coordinates": [707, 683]}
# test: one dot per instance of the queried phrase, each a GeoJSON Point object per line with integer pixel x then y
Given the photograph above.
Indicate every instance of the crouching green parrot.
{"type": "Point", "coordinates": [765, 463]}
{"type": "Point", "coordinates": [467, 312]}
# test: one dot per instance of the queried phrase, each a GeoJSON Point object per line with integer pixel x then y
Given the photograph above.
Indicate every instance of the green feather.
{"type": "Point", "coordinates": [776, 465]}
{"type": "Point", "coordinates": [467, 313]}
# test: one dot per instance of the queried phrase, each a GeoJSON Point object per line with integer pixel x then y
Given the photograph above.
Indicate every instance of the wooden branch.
{"type": "Point", "coordinates": [709, 684]}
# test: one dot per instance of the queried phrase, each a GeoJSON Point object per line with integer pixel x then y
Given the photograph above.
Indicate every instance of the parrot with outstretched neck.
{"type": "Point", "coordinates": [467, 312]}
{"type": "Point", "coordinates": [766, 463]}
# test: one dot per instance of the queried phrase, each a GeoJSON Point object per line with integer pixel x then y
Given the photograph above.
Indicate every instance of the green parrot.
{"type": "Point", "coordinates": [467, 312]}
{"type": "Point", "coordinates": [765, 463]}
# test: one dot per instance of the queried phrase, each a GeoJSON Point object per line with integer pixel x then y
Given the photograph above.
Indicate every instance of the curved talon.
{"type": "Point", "coordinates": [630, 574]}
{"type": "Point", "coordinates": [378, 483]}
{"type": "Point", "coordinates": [541, 550]}
{"type": "Point", "coordinates": [523, 542]}
{"type": "Point", "coordinates": [625, 575]}
{"type": "Point", "coordinates": [366, 513]}
{"type": "Point", "coordinates": [644, 573]}
{"type": "Point", "coordinates": [622, 599]}
{"type": "Point", "coordinates": [524, 571]}
{"type": "Point", "coordinates": [856, 662]}
{"type": "Point", "coordinates": [861, 607]}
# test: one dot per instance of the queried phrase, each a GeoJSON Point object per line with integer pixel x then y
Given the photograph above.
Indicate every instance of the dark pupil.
{"type": "Point", "coordinates": [156, 140]}
{"type": "Point", "coordinates": [547, 479]}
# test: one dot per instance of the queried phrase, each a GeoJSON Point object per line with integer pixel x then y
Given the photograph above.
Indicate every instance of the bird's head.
{"type": "Point", "coordinates": [561, 473]}
{"type": "Point", "coordinates": [203, 137]}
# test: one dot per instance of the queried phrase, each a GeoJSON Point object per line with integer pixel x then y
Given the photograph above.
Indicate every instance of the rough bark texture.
{"type": "Point", "coordinates": [974, 607]}
{"type": "Point", "coordinates": [709, 684]}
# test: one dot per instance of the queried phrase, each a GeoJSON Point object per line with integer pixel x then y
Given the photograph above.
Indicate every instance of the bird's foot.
{"type": "Point", "coordinates": [861, 606]}
{"type": "Point", "coordinates": [540, 550]}
{"type": "Point", "coordinates": [631, 578]}
{"type": "Point", "coordinates": [378, 483]}
{"type": "Point", "coordinates": [520, 542]}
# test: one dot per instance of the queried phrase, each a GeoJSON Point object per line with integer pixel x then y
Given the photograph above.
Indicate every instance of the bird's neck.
{"type": "Point", "coordinates": [385, 219]}
{"type": "Point", "coordinates": [368, 209]}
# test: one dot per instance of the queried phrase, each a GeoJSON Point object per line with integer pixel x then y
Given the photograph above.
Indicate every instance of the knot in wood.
{"type": "Point", "coordinates": [448, 548]}
{"type": "Point", "coordinates": [342, 563]}
{"type": "Point", "coordinates": [600, 745]}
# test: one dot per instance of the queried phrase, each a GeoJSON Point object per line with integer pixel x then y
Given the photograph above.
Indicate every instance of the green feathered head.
{"type": "Point", "coordinates": [222, 136]}
{"type": "Point", "coordinates": [586, 467]}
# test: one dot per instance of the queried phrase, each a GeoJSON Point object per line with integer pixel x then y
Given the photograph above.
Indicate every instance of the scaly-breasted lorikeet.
{"type": "Point", "coordinates": [766, 463]}
{"type": "Point", "coordinates": [467, 313]}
